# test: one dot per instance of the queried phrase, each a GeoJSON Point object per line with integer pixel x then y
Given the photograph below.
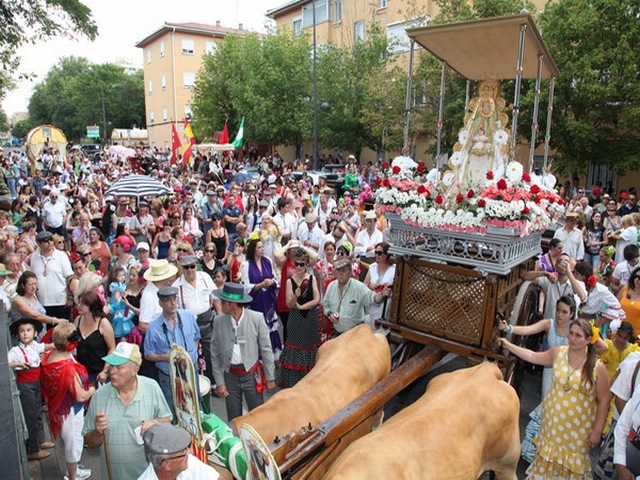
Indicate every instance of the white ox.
{"type": "Point", "coordinates": [465, 423]}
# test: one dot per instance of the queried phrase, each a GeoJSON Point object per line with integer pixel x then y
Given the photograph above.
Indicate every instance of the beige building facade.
{"type": "Point", "coordinates": [172, 56]}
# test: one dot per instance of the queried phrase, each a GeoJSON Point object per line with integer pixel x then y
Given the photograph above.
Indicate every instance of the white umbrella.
{"type": "Point", "coordinates": [138, 186]}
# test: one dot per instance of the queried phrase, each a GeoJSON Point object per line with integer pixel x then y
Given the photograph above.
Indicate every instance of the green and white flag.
{"type": "Point", "coordinates": [239, 137]}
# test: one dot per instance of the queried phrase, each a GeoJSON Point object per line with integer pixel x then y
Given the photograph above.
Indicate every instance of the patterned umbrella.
{"type": "Point", "coordinates": [138, 186]}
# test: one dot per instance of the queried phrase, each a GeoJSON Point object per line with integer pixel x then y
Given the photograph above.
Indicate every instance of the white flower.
{"type": "Point", "coordinates": [501, 137]}
{"type": "Point", "coordinates": [549, 181]}
{"type": "Point", "coordinates": [456, 159]}
{"type": "Point", "coordinates": [434, 175]}
{"type": "Point", "coordinates": [463, 136]}
{"type": "Point", "coordinates": [405, 163]}
{"type": "Point", "coordinates": [448, 179]}
{"type": "Point", "coordinates": [514, 171]}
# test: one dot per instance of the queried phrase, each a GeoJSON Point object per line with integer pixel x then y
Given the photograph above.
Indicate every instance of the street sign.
{"type": "Point", "coordinates": [93, 131]}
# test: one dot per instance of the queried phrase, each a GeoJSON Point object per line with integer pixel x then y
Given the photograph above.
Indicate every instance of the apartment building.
{"type": "Point", "coordinates": [172, 56]}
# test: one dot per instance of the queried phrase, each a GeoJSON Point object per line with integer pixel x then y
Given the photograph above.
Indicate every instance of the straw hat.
{"type": "Point", "coordinates": [159, 270]}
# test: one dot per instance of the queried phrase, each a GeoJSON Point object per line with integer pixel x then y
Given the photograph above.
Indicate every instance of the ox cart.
{"type": "Point", "coordinates": [452, 286]}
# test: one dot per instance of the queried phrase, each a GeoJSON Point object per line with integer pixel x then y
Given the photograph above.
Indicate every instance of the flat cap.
{"type": "Point", "coordinates": [166, 439]}
{"type": "Point", "coordinates": [166, 292]}
{"type": "Point", "coordinates": [189, 260]}
{"type": "Point", "coordinates": [342, 263]}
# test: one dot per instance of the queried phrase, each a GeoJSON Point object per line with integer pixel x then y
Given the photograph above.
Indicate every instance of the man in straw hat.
{"type": "Point", "coordinates": [240, 337]}
{"type": "Point", "coordinates": [347, 300]}
{"type": "Point", "coordinates": [168, 451]}
{"type": "Point", "coordinates": [571, 237]}
{"type": "Point", "coordinates": [172, 326]}
{"type": "Point", "coordinates": [160, 274]}
{"type": "Point", "coordinates": [123, 410]}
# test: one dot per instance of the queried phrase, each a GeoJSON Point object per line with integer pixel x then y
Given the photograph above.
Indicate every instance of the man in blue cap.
{"type": "Point", "coordinates": [172, 326]}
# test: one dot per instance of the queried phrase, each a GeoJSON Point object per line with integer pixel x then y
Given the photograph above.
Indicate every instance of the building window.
{"type": "Point", "coordinates": [150, 87]}
{"type": "Point", "coordinates": [297, 26]}
{"type": "Point", "coordinates": [358, 31]}
{"type": "Point", "coordinates": [382, 3]}
{"type": "Point", "coordinates": [148, 55]}
{"type": "Point", "coordinates": [212, 47]}
{"type": "Point", "coordinates": [188, 79]}
{"type": "Point", "coordinates": [188, 112]}
{"type": "Point", "coordinates": [187, 46]}
{"type": "Point", "coordinates": [152, 117]}
{"type": "Point", "coordinates": [162, 48]}
{"type": "Point", "coordinates": [163, 82]}
{"type": "Point", "coordinates": [397, 37]}
{"type": "Point", "coordinates": [322, 13]}
{"type": "Point", "coordinates": [337, 11]}
{"type": "Point", "coordinates": [164, 114]}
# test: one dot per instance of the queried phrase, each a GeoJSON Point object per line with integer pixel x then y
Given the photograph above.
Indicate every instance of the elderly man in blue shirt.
{"type": "Point", "coordinates": [172, 326]}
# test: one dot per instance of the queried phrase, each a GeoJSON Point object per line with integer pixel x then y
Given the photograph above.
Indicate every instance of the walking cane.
{"type": "Point", "coordinates": [107, 456]}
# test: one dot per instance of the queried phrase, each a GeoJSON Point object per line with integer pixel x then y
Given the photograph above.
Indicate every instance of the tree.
{"type": "Point", "coordinates": [27, 21]}
{"type": "Point", "coordinates": [74, 93]}
{"type": "Point", "coordinates": [21, 128]}
{"type": "Point", "coordinates": [4, 124]}
{"type": "Point", "coordinates": [265, 79]}
{"type": "Point", "coordinates": [596, 105]}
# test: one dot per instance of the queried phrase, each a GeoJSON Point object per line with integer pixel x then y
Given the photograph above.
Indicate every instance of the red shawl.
{"type": "Point", "coordinates": [57, 382]}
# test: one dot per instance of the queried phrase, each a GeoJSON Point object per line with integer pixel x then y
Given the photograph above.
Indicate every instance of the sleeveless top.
{"type": "Point", "coordinates": [307, 295]}
{"type": "Point", "coordinates": [163, 249]}
{"type": "Point", "coordinates": [91, 349]}
{"type": "Point", "coordinates": [221, 246]}
{"type": "Point", "coordinates": [552, 340]}
{"type": "Point", "coordinates": [35, 306]}
{"type": "Point", "coordinates": [545, 264]}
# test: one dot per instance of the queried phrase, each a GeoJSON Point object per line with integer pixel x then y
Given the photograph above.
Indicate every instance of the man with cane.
{"type": "Point", "coordinates": [121, 411]}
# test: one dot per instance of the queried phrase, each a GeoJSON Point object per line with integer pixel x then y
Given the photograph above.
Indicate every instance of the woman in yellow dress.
{"type": "Point", "coordinates": [574, 410]}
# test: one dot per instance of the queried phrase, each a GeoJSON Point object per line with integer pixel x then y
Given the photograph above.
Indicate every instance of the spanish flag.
{"type": "Point", "coordinates": [187, 145]}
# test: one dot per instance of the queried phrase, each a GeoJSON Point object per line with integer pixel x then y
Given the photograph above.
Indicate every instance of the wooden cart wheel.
{"type": "Point", "coordinates": [524, 312]}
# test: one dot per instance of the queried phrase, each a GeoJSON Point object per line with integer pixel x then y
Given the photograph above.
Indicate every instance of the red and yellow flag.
{"type": "Point", "coordinates": [176, 143]}
{"type": "Point", "coordinates": [188, 142]}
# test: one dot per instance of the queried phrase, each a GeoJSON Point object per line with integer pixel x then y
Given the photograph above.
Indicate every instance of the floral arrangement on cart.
{"type": "Point", "coordinates": [480, 190]}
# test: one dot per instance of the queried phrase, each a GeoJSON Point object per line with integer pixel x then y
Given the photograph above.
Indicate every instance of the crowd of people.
{"type": "Point", "coordinates": [250, 268]}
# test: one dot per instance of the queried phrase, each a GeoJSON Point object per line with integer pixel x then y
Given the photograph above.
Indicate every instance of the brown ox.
{"type": "Point", "coordinates": [346, 367]}
{"type": "Point", "coordinates": [465, 423]}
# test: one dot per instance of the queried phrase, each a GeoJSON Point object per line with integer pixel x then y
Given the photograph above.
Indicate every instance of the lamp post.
{"type": "Point", "coordinates": [104, 112]}
{"type": "Point", "coordinates": [315, 91]}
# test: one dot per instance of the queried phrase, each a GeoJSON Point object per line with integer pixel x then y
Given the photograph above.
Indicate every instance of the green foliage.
{"type": "Point", "coordinates": [74, 92]}
{"type": "Point", "coordinates": [597, 106]}
{"type": "Point", "coordinates": [27, 21]}
{"type": "Point", "coordinates": [21, 128]}
{"type": "Point", "coordinates": [267, 79]}
{"type": "Point", "coordinates": [4, 124]}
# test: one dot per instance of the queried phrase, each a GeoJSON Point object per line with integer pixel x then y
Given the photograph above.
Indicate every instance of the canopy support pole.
{"type": "Point", "coordinates": [467, 95]}
{"type": "Point", "coordinates": [534, 119]}
{"type": "Point", "coordinates": [440, 111]}
{"type": "Point", "coordinates": [516, 96]}
{"type": "Point", "coordinates": [407, 105]}
{"type": "Point", "coordinates": [547, 135]}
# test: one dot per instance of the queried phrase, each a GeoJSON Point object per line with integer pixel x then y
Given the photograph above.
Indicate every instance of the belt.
{"type": "Point", "coordinates": [205, 317]}
{"type": "Point", "coordinates": [240, 371]}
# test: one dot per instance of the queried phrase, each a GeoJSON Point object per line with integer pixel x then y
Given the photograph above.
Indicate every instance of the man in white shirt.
{"type": "Point", "coordinates": [368, 238]}
{"type": "Point", "coordinates": [53, 269]}
{"type": "Point", "coordinates": [309, 234]}
{"type": "Point", "coordinates": [53, 214]}
{"type": "Point", "coordinates": [622, 272]}
{"type": "Point", "coordinates": [195, 293]}
{"type": "Point", "coordinates": [286, 221]}
{"type": "Point", "coordinates": [167, 448]}
{"type": "Point", "coordinates": [571, 237]}
{"type": "Point", "coordinates": [160, 274]}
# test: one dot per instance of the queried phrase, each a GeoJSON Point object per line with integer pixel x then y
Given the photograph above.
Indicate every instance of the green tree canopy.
{"type": "Point", "coordinates": [21, 128]}
{"type": "Point", "coordinates": [27, 21]}
{"type": "Point", "coordinates": [74, 92]}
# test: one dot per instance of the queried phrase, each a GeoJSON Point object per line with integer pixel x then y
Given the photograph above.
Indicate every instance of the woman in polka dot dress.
{"type": "Point", "coordinates": [574, 410]}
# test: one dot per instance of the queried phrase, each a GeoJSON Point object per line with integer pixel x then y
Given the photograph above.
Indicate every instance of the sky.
{"type": "Point", "coordinates": [122, 23]}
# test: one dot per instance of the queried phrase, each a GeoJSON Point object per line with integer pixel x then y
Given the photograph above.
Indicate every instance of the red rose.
{"type": "Point", "coordinates": [470, 194]}
{"type": "Point", "coordinates": [386, 183]}
{"type": "Point", "coordinates": [561, 202]}
{"type": "Point", "coordinates": [482, 203]}
{"type": "Point", "coordinates": [459, 198]}
{"type": "Point", "coordinates": [385, 165]}
{"type": "Point", "coordinates": [489, 175]}
{"type": "Point", "coordinates": [439, 200]}
{"type": "Point", "coordinates": [525, 210]}
{"type": "Point", "coordinates": [377, 182]}
{"type": "Point", "coordinates": [396, 170]}
{"type": "Point", "coordinates": [534, 189]}
{"type": "Point", "coordinates": [421, 167]}
{"type": "Point", "coordinates": [421, 189]}
{"type": "Point", "coordinates": [526, 177]}
{"type": "Point", "coordinates": [537, 199]}
{"type": "Point", "coordinates": [502, 184]}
